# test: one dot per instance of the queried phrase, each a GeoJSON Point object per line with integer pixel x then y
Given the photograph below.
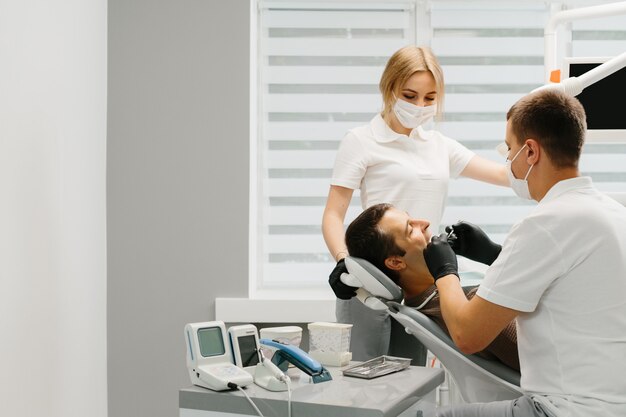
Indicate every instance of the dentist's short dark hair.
{"type": "Point", "coordinates": [365, 239]}
{"type": "Point", "coordinates": [554, 119]}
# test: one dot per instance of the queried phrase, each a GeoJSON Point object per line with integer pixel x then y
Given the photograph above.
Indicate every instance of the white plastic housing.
{"type": "Point", "coordinates": [245, 354]}
{"type": "Point", "coordinates": [212, 368]}
{"type": "Point", "coordinates": [329, 337]}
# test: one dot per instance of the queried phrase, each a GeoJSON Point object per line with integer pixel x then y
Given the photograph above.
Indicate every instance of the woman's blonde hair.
{"type": "Point", "coordinates": [401, 66]}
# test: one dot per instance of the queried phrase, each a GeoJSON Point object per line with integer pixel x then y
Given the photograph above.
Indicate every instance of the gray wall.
{"type": "Point", "coordinates": [177, 186]}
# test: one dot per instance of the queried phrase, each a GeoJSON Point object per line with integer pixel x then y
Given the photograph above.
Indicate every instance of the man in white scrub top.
{"type": "Point", "coordinates": [561, 274]}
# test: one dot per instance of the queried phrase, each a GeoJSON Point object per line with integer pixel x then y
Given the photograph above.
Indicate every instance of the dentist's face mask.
{"type": "Point", "coordinates": [519, 186]}
{"type": "Point", "coordinates": [411, 116]}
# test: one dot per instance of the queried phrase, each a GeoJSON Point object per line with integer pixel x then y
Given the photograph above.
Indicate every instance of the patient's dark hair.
{"type": "Point", "coordinates": [364, 239]}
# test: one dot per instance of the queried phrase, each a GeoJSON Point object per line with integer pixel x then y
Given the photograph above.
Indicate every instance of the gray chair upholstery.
{"type": "Point", "coordinates": [477, 379]}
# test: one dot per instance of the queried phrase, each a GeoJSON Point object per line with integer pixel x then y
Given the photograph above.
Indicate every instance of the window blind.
{"type": "Point", "coordinates": [319, 65]}
{"type": "Point", "coordinates": [319, 69]}
{"type": "Point", "coordinates": [492, 55]}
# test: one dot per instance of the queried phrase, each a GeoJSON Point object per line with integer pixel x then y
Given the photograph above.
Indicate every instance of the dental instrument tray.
{"type": "Point", "coordinates": [376, 367]}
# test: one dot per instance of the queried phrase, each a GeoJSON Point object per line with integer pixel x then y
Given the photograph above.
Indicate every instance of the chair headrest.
{"type": "Point", "coordinates": [372, 279]}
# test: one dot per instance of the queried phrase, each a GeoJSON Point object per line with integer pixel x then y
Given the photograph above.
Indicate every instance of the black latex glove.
{"type": "Point", "coordinates": [470, 241]}
{"type": "Point", "coordinates": [440, 258]}
{"type": "Point", "coordinates": [341, 290]}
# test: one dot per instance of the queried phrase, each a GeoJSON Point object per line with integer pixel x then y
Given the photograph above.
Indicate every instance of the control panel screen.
{"type": "Point", "coordinates": [211, 341]}
{"type": "Point", "coordinates": [602, 99]}
{"type": "Point", "coordinates": [247, 348]}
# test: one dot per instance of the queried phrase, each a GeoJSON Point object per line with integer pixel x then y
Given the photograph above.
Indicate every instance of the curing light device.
{"type": "Point", "coordinates": [285, 354]}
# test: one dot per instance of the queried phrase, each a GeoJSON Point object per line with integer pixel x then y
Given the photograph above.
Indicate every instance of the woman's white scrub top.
{"type": "Point", "coordinates": [410, 172]}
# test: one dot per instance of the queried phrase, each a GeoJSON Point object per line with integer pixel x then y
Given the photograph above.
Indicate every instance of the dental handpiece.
{"type": "Point", "coordinates": [451, 235]}
{"type": "Point", "coordinates": [272, 368]}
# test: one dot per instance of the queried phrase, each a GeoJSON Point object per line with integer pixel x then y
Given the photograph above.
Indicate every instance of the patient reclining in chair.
{"type": "Point", "coordinates": [394, 243]}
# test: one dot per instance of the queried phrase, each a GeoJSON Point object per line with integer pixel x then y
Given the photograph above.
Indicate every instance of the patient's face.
{"type": "Point", "coordinates": [412, 235]}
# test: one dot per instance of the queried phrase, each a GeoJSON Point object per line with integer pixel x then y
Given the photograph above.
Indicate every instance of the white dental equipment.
{"type": "Point", "coordinates": [267, 375]}
{"type": "Point", "coordinates": [329, 343]}
{"type": "Point", "coordinates": [285, 354]}
{"type": "Point", "coordinates": [283, 334]}
{"type": "Point", "coordinates": [374, 287]}
{"type": "Point", "coordinates": [244, 341]}
{"type": "Point", "coordinates": [248, 355]}
{"type": "Point", "coordinates": [209, 358]}
{"type": "Point", "coordinates": [565, 16]}
{"type": "Point", "coordinates": [575, 85]}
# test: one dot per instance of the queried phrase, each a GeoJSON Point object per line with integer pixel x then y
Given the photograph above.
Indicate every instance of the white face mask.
{"type": "Point", "coordinates": [411, 116]}
{"type": "Point", "coordinates": [519, 186]}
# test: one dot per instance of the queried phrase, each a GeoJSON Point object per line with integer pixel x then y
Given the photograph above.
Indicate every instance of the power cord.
{"type": "Point", "coordinates": [288, 382]}
{"type": "Point", "coordinates": [232, 385]}
{"type": "Point", "coordinates": [285, 379]}
{"type": "Point", "coordinates": [279, 375]}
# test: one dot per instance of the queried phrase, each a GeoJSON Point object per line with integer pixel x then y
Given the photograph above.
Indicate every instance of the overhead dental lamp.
{"type": "Point", "coordinates": [575, 85]}
{"type": "Point", "coordinates": [605, 122]}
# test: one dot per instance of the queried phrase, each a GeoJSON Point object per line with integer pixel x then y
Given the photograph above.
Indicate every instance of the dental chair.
{"type": "Point", "coordinates": [477, 379]}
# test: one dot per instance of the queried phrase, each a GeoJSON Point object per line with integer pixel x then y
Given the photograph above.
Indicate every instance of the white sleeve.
{"type": "Point", "coordinates": [458, 155]}
{"type": "Point", "coordinates": [350, 163]}
{"type": "Point", "coordinates": [530, 261]}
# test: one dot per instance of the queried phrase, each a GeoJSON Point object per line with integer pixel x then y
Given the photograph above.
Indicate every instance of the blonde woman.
{"type": "Point", "coordinates": [393, 159]}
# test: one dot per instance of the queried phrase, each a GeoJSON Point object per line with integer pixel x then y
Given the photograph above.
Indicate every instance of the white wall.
{"type": "Point", "coordinates": [52, 208]}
